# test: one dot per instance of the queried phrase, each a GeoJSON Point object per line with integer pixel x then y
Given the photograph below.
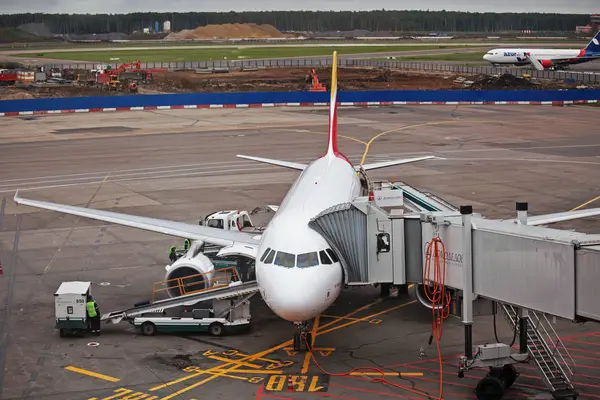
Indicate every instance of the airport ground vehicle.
{"type": "Point", "coordinates": [198, 320]}
{"type": "Point", "coordinates": [70, 307]}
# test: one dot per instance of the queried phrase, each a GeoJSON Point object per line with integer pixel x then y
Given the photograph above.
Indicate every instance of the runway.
{"type": "Point", "coordinates": [181, 165]}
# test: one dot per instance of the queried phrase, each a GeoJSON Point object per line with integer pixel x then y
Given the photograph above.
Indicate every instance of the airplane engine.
{"type": "Point", "coordinates": [198, 268]}
{"type": "Point", "coordinates": [546, 63]}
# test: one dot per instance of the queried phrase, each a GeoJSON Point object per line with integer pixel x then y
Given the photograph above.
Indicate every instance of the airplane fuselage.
{"type": "Point", "coordinates": [519, 56]}
{"type": "Point", "coordinates": [297, 274]}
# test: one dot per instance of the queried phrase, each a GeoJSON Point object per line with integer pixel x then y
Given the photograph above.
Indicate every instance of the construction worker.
{"type": "Point", "coordinates": [93, 312]}
{"type": "Point", "coordinates": [173, 254]}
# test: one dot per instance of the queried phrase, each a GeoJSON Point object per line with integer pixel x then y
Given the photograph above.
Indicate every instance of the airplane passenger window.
{"type": "Point", "coordinates": [285, 259]}
{"type": "Point", "coordinates": [307, 260]}
{"type": "Point", "coordinates": [265, 254]}
{"type": "Point", "coordinates": [332, 255]}
{"type": "Point", "coordinates": [270, 257]}
{"type": "Point", "coordinates": [324, 258]}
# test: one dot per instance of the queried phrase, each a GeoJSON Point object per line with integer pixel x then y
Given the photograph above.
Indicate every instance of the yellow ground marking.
{"type": "Point", "coordinates": [585, 204]}
{"type": "Point", "coordinates": [233, 352]}
{"type": "Point", "coordinates": [323, 133]}
{"type": "Point", "coordinates": [312, 344]}
{"type": "Point", "coordinates": [248, 358]}
{"type": "Point", "coordinates": [335, 328]}
{"type": "Point", "coordinates": [238, 362]}
{"type": "Point", "coordinates": [413, 126]}
{"type": "Point", "coordinates": [91, 373]}
{"type": "Point", "coordinates": [348, 318]}
{"type": "Point", "coordinates": [239, 371]}
{"type": "Point", "coordinates": [398, 374]}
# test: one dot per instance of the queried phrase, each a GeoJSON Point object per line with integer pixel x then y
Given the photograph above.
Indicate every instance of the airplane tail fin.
{"type": "Point", "coordinates": [594, 45]}
{"type": "Point", "coordinates": [332, 148]}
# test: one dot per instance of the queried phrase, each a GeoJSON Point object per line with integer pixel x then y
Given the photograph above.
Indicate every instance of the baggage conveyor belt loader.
{"type": "Point", "coordinates": [226, 291]}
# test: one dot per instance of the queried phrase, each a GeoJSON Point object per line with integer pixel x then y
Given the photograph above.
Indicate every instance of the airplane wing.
{"type": "Point", "coordinates": [384, 164]}
{"type": "Point", "coordinates": [287, 164]}
{"type": "Point", "coordinates": [181, 229]}
{"type": "Point", "coordinates": [562, 216]}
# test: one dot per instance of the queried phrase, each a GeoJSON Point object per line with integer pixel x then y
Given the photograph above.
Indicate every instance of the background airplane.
{"type": "Point", "coordinates": [298, 274]}
{"type": "Point", "coordinates": [545, 58]}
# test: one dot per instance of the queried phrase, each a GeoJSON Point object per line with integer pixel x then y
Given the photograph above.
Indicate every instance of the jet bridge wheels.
{"type": "Point", "coordinates": [495, 383]}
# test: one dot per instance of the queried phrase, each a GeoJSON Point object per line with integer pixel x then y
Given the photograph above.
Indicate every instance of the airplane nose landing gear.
{"type": "Point", "coordinates": [302, 337]}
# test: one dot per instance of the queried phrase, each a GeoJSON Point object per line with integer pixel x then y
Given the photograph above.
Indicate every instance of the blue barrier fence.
{"type": "Point", "coordinates": [99, 102]}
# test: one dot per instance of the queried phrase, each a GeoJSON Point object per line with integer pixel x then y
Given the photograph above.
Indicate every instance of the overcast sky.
{"type": "Point", "coordinates": [125, 6]}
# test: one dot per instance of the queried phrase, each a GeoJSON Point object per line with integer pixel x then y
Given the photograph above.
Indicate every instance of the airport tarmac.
{"type": "Point", "coordinates": [181, 165]}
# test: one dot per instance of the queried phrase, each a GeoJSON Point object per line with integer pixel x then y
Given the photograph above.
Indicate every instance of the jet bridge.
{"type": "Point", "coordinates": [532, 271]}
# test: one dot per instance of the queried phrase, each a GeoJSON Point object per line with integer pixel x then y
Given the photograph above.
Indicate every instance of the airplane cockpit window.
{"type": "Point", "coordinates": [215, 223]}
{"type": "Point", "coordinates": [285, 259]}
{"type": "Point", "coordinates": [325, 260]}
{"type": "Point", "coordinates": [270, 257]}
{"type": "Point", "coordinates": [265, 254]}
{"type": "Point", "coordinates": [306, 260]}
{"type": "Point", "coordinates": [332, 255]}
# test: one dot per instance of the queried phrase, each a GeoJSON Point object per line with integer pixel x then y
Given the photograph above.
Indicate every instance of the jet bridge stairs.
{"type": "Point", "coordinates": [382, 239]}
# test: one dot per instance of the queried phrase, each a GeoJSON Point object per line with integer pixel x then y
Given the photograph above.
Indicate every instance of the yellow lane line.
{"type": "Point", "coordinates": [414, 126]}
{"type": "Point", "coordinates": [313, 335]}
{"type": "Point", "coordinates": [335, 328]}
{"type": "Point", "coordinates": [91, 373]}
{"type": "Point", "coordinates": [238, 362]}
{"type": "Point", "coordinates": [585, 204]}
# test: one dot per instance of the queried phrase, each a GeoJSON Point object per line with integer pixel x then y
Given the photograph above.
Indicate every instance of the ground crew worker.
{"type": "Point", "coordinates": [187, 244]}
{"type": "Point", "coordinates": [93, 312]}
{"type": "Point", "coordinates": [173, 254]}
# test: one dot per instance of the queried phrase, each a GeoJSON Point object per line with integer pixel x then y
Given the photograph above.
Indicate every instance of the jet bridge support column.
{"type": "Point", "coordinates": [467, 301]}
{"type": "Point", "coordinates": [523, 313]}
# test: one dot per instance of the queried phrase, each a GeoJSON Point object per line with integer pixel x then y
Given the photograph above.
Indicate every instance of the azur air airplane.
{"type": "Point", "coordinates": [297, 273]}
{"type": "Point", "coordinates": [543, 59]}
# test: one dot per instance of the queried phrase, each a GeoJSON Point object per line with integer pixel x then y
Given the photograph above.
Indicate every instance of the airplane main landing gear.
{"type": "Point", "coordinates": [302, 337]}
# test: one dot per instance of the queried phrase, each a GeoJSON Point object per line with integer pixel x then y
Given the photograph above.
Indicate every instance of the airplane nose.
{"type": "Point", "coordinates": [298, 294]}
{"type": "Point", "coordinates": [486, 57]}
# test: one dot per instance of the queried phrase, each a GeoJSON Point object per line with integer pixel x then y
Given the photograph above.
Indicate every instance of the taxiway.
{"type": "Point", "coordinates": [181, 165]}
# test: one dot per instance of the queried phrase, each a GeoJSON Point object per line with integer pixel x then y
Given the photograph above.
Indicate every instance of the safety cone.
{"type": "Point", "coordinates": [290, 385]}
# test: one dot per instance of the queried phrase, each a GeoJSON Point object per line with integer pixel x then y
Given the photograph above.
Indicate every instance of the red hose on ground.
{"type": "Point", "coordinates": [436, 293]}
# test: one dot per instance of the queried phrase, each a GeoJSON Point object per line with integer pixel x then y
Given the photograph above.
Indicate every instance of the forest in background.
{"type": "Point", "coordinates": [306, 21]}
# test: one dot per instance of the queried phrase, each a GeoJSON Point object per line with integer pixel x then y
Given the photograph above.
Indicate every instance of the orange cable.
{"type": "Point", "coordinates": [437, 296]}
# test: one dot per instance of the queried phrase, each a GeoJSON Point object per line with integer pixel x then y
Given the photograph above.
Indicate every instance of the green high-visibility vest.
{"type": "Point", "coordinates": [91, 309]}
{"type": "Point", "coordinates": [186, 245]}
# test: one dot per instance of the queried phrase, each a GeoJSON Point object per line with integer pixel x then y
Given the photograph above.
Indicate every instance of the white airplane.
{"type": "Point", "coordinates": [543, 59]}
{"type": "Point", "coordinates": [298, 274]}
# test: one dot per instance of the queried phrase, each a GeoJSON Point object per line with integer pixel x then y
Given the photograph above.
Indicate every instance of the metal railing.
{"type": "Point", "coordinates": [324, 61]}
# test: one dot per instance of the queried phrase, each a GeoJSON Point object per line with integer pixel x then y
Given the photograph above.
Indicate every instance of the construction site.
{"type": "Point", "coordinates": [130, 78]}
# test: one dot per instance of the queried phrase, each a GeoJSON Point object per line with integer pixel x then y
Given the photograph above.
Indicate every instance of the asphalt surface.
{"type": "Point", "coordinates": [181, 165]}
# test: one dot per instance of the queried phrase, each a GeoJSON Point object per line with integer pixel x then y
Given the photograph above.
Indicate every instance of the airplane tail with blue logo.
{"type": "Point", "coordinates": [594, 46]}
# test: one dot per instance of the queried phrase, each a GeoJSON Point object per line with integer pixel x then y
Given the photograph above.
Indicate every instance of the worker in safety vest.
{"type": "Point", "coordinates": [173, 254]}
{"type": "Point", "coordinates": [187, 244]}
{"type": "Point", "coordinates": [93, 312]}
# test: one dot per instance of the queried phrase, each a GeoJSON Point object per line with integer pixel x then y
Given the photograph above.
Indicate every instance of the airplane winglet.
{"type": "Point", "coordinates": [16, 198]}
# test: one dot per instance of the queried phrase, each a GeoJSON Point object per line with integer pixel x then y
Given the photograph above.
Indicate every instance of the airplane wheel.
{"type": "Point", "coordinates": [148, 329]}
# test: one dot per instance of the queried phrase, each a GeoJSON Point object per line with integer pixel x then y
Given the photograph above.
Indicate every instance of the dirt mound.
{"type": "Point", "coordinates": [228, 31]}
{"type": "Point", "coordinates": [502, 82]}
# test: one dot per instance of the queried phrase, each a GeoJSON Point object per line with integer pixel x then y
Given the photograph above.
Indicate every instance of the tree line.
{"type": "Point", "coordinates": [303, 21]}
